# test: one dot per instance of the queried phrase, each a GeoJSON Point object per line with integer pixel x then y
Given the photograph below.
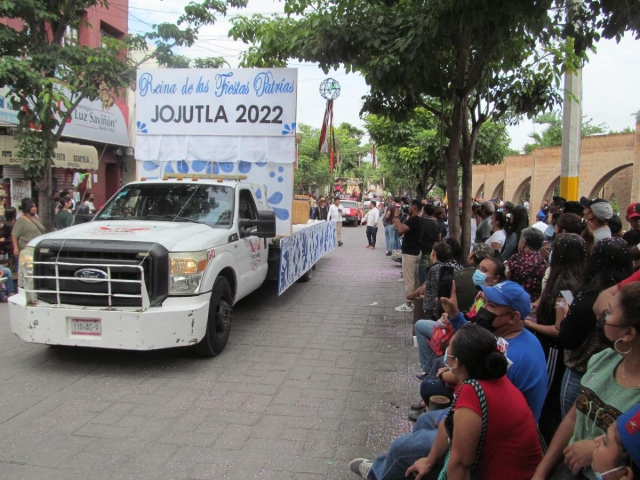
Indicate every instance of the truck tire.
{"type": "Point", "coordinates": [219, 321]}
{"type": "Point", "coordinates": [307, 275]}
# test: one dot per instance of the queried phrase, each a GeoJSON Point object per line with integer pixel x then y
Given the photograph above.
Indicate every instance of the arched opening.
{"type": "Point", "coordinates": [499, 191]}
{"type": "Point", "coordinates": [523, 191]}
{"type": "Point", "coordinates": [599, 187]}
{"type": "Point", "coordinates": [553, 190]}
{"type": "Point", "coordinates": [480, 192]}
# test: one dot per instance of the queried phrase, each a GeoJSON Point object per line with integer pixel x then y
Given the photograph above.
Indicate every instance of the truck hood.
{"type": "Point", "coordinates": [167, 234]}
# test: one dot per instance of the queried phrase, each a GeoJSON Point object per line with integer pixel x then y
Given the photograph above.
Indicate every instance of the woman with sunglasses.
{"type": "Point", "coordinates": [489, 421]}
{"type": "Point", "coordinates": [610, 386]}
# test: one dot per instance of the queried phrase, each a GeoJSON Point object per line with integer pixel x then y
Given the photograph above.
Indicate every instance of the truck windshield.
{"type": "Point", "coordinates": [208, 204]}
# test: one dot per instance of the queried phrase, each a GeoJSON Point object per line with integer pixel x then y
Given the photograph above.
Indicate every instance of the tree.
{"type": "Point", "coordinates": [552, 135]}
{"type": "Point", "coordinates": [48, 76]}
{"type": "Point", "coordinates": [478, 59]}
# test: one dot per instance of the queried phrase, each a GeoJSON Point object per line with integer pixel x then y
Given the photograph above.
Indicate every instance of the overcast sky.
{"type": "Point", "coordinates": [611, 92]}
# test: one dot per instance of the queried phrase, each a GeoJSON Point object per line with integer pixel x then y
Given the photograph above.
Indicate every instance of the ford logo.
{"type": "Point", "coordinates": [91, 275]}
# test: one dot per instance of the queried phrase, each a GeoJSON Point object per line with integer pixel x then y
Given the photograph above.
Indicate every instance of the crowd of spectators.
{"type": "Point", "coordinates": [536, 350]}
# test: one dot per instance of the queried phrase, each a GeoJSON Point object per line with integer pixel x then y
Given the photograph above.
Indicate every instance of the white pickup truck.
{"type": "Point", "coordinates": [161, 265]}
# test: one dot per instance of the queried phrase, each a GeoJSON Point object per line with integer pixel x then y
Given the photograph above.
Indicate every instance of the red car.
{"type": "Point", "coordinates": [351, 212]}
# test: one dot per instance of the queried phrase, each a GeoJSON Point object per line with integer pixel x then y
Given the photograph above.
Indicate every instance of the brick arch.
{"type": "Point", "coordinates": [521, 188]}
{"type": "Point", "coordinates": [551, 188]}
{"type": "Point", "coordinates": [605, 178]}
{"type": "Point", "coordinates": [498, 192]}
{"type": "Point", "coordinates": [480, 192]}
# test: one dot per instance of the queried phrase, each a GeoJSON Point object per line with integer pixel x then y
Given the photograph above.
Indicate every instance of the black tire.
{"type": "Point", "coordinates": [307, 276]}
{"type": "Point", "coordinates": [219, 321]}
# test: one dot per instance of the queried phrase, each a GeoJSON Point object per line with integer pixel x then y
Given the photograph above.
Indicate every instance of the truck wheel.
{"type": "Point", "coordinates": [307, 275]}
{"type": "Point", "coordinates": [219, 321]}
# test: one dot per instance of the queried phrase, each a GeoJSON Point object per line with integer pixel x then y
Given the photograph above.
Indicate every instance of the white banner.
{"type": "Point", "coordinates": [19, 189]}
{"type": "Point", "coordinates": [238, 102]}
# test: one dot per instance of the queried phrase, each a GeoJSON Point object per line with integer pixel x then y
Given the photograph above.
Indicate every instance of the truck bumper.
{"type": "Point", "coordinates": [181, 321]}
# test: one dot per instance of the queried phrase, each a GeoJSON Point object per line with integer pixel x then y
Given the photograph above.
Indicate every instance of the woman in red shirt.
{"type": "Point", "coordinates": [490, 432]}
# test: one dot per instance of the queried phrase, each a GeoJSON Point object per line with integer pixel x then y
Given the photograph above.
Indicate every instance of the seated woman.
{"type": "Point", "coordinates": [489, 421]}
{"type": "Point", "coordinates": [490, 272]}
{"type": "Point", "coordinates": [610, 386]}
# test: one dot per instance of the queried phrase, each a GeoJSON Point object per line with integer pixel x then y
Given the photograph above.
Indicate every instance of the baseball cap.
{"type": "Point", "coordinates": [628, 425]}
{"type": "Point", "coordinates": [599, 206]}
{"type": "Point", "coordinates": [509, 293]}
{"type": "Point", "coordinates": [633, 211]}
{"type": "Point", "coordinates": [482, 251]}
{"type": "Point", "coordinates": [488, 206]}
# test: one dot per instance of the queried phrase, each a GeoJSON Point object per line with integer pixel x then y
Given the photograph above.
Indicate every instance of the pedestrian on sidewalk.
{"type": "Point", "coordinates": [390, 234]}
{"type": "Point", "coordinates": [412, 230]}
{"type": "Point", "coordinates": [335, 216]}
{"type": "Point", "coordinates": [371, 221]}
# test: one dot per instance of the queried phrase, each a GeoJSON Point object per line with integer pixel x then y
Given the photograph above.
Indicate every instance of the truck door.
{"type": "Point", "coordinates": [253, 261]}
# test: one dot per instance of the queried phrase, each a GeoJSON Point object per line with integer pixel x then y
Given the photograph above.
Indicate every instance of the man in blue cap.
{"type": "Point", "coordinates": [506, 306]}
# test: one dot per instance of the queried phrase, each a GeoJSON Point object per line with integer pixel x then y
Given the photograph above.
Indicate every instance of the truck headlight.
{"type": "Point", "coordinates": [25, 265]}
{"type": "Point", "coordinates": [186, 270]}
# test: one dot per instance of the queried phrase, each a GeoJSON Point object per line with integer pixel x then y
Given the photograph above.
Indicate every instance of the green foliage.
{"type": "Point", "coordinates": [552, 135]}
{"type": "Point", "coordinates": [313, 166]}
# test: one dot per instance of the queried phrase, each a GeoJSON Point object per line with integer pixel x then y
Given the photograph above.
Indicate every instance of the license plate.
{"type": "Point", "coordinates": [85, 326]}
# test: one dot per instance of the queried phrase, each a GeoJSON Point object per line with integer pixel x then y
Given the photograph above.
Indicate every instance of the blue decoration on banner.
{"type": "Point", "coordinates": [280, 169]}
{"type": "Point", "coordinates": [280, 179]}
{"type": "Point", "coordinates": [169, 168]}
{"type": "Point", "coordinates": [281, 213]}
{"type": "Point", "coordinates": [226, 167]}
{"type": "Point", "coordinates": [199, 165]}
{"type": "Point", "coordinates": [149, 166]}
{"type": "Point", "coordinates": [260, 164]}
{"type": "Point", "coordinates": [276, 198]}
{"type": "Point", "coordinates": [183, 167]}
{"type": "Point", "coordinates": [141, 127]}
{"type": "Point", "coordinates": [258, 193]}
{"type": "Point", "coordinates": [244, 167]}
{"type": "Point", "coordinates": [289, 129]}
{"type": "Point", "coordinates": [272, 174]}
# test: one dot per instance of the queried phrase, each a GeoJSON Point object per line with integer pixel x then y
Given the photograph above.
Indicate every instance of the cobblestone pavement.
{"type": "Point", "coordinates": [308, 381]}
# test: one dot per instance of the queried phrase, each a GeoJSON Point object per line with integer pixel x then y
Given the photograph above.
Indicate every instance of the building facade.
{"type": "Point", "coordinates": [98, 136]}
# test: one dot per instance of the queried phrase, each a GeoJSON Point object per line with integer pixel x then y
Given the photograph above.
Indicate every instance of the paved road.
{"type": "Point", "coordinates": [308, 381]}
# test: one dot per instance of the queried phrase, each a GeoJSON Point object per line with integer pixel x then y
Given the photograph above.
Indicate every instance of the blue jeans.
{"type": "Point", "coordinates": [9, 283]}
{"type": "Point", "coordinates": [424, 331]}
{"type": "Point", "coordinates": [391, 238]}
{"type": "Point", "coordinates": [569, 390]}
{"type": "Point", "coordinates": [404, 451]}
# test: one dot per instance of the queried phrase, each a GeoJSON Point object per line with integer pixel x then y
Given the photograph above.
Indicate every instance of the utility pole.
{"type": "Point", "coordinates": [571, 126]}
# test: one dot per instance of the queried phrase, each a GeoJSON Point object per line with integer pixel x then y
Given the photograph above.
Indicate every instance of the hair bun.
{"type": "Point", "coordinates": [496, 364]}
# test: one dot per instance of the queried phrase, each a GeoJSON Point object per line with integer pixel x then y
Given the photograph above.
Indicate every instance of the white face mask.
{"type": "Point", "coordinates": [600, 476]}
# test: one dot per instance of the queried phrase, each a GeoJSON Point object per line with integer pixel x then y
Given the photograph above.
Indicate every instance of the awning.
{"type": "Point", "coordinates": [68, 155]}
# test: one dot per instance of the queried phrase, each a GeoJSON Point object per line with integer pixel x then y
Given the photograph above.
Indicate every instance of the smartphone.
{"type": "Point", "coordinates": [567, 295]}
{"type": "Point", "coordinates": [445, 282]}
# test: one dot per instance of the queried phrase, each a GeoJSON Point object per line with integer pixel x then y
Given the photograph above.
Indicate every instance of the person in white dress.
{"type": "Point", "coordinates": [335, 215]}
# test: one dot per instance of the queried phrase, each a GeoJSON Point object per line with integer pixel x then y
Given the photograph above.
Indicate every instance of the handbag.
{"type": "Point", "coordinates": [440, 339]}
{"type": "Point", "coordinates": [448, 425]}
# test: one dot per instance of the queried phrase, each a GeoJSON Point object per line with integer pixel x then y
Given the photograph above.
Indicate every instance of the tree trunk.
{"type": "Point", "coordinates": [451, 157]}
{"type": "Point", "coordinates": [45, 190]}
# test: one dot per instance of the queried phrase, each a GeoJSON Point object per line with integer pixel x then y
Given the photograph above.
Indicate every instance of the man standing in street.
{"type": "Point", "coordinates": [390, 234]}
{"type": "Point", "coordinates": [485, 211]}
{"type": "Point", "coordinates": [335, 216]}
{"type": "Point", "coordinates": [371, 220]}
{"type": "Point", "coordinates": [321, 211]}
{"type": "Point", "coordinates": [412, 230]}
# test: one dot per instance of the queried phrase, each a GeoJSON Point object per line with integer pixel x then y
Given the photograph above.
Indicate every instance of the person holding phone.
{"type": "Point", "coordinates": [412, 230]}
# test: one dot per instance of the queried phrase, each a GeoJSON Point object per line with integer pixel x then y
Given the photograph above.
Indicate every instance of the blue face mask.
{"type": "Point", "coordinates": [600, 476]}
{"type": "Point", "coordinates": [479, 278]}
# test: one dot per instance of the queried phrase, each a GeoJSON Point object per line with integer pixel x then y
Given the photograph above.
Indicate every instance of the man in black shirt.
{"type": "Point", "coordinates": [632, 237]}
{"type": "Point", "coordinates": [430, 236]}
{"type": "Point", "coordinates": [412, 230]}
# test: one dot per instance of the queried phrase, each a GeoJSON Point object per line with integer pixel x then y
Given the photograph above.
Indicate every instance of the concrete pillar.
{"type": "Point", "coordinates": [571, 135]}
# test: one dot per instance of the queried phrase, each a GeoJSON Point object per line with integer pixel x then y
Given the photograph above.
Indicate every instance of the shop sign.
{"type": "Point", "coordinates": [68, 155]}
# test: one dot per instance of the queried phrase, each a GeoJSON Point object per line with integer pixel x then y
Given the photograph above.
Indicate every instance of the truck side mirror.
{"type": "Point", "coordinates": [266, 224]}
{"type": "Point", "coordinates": [263, 227]}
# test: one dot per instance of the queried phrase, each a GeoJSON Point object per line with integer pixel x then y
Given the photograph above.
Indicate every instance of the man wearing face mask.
{"type": "Point", "coordinates": [507, 304]}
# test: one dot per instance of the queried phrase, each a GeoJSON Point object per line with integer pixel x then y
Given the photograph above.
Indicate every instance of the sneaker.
{"type": "Point", "coordinates": [421, 376]}
{"type": "Point", "coordinates": [388, 254]}
{"type": "Point", "coordinates": [360, 466]}
{"type": "Point", "coordinates": [373, 248]}
{"type": "Point", "coordinates": [339, 244]}
{"type": "Point", "coordinates": [414, 415]}
{"type": "Point", "coordinates": [400, 280]}
{"type": "Point", "coordinates": [404, 308]}
{"type": "Point", "coordinates": [368, 246]}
